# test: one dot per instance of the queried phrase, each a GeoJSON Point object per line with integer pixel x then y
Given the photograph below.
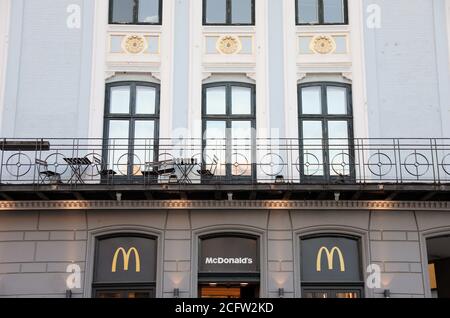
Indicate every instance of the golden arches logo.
{"type": "Point", "coordinates": [330, 258]}
{"type": "Point", "coordinates": [126, 259]}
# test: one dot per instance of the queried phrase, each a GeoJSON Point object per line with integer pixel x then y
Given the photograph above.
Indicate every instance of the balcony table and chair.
{"type": "Point", "coordinates": [45, 174]}
{"type": "Point", "coordinates": [347, 162]}
{"type": "Point", "coordinates": [78, 167]}
{"type": "Point", "coordinates": [185, 166]}
{"type": "Point", "coordinates": [154, 170]}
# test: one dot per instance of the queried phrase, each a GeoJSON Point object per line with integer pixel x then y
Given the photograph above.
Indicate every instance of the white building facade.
{"type": "Point", "coordinates": [239, 148]}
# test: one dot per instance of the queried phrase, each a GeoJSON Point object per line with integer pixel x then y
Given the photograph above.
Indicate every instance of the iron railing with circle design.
{"type": "Point", "coordinates": [240, 160]}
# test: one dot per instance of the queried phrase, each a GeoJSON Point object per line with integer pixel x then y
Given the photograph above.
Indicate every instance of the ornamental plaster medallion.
{"type": "Point", "coordinates": [134, 44]}
{"type": "Point", "coordinates": [229, 44]}
{"type": "Point", "coordinates": [323, 44]}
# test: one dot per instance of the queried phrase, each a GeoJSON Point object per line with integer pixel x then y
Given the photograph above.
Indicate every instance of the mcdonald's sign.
{"type": "Point", "coordinates": [330, 258]}
{"type": "Point", "coordinates": [126, 259]}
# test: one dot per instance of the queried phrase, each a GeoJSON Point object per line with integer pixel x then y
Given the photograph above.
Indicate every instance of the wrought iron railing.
{"type": "Point", "coordinates": [197, 161]}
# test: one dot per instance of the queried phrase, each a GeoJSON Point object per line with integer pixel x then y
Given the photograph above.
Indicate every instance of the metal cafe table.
{"type": "Point", "coordinates": [185, 165]}
{"type": "Point", "coordinates": [78, 167]}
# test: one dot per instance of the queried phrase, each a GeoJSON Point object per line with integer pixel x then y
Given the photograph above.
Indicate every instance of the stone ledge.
{"type": "Point", "coordinates": [218, 205]}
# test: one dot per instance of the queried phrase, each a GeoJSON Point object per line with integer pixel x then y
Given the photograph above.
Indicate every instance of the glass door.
{"type": "Point", "coordinates": [326, 132]}
{"type": "Point", "coordinates": [332, 293]}
{"type": "Point", "coordinates": [131, 127]}
{"type": "Point", "coordinates": [117, 293]}
{"type": "Point", "coordinates": [228, 129]}
{"type": "Point", "coordinates": [229, 290]}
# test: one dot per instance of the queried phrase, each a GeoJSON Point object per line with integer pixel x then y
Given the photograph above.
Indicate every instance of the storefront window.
{"type": "Point", "coordinates": [125, 267]}
{"type": "Point", "coordinates": [229, 266]}
{"type": "Point", "coordinates": [331, 267]}
{"type": "Point", "coordinates": [438, 249]}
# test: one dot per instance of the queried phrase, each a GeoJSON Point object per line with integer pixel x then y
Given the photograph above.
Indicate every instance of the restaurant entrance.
{"type": "Point", "coordinates": [229, 266]}
{"type": "Point", "coordinates": [229, 290]}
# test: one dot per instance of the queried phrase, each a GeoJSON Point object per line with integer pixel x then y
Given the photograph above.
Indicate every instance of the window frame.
{"type": "Point", "coordinates": [124, 288]}
{"type": "Point", "coordinates": [325, 117]}
{"type": "Point", "coordinates": [254, 278]}
{"type": "Point", "coordinates": [135, 15]}
{"type": "Point", "coordinates": [321, 14]}
{"type": "Point", "coordinates": [228, 17]}
{"type": "Point", "coordinates": [309, 286]}
{"type": "Point", "coordinates": [228, 117]}
{"type": "Point", "coordinates": [131, 117]}
{"type": "Point", "coordinates": [332, 289]}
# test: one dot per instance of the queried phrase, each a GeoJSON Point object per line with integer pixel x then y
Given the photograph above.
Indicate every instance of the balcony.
{"type": "Point", "coordinates": [288, 169]}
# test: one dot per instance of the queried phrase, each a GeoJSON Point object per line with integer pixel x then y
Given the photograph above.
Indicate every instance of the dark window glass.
{"type": "Point", "coordinates": [325, 121]}
{"type": "Point", "coordinates": [124, 294]}
{"type": "Point", "coordinates": [228, 12]}
{"type": "Point", "coordinates": [322, 12]}
{"type": "Point", "coordinates": [332, 293]}
{"type": "Point", "coordinates": [125, 266]}
{"type": "Point", "coordinates": [331, 267]}
{"type": "Point", "coordinates": [135, 11]}
{"type": "Point", "coordinates": [229, 246]}
{"type": "Point", "coordinates": [438, 253]}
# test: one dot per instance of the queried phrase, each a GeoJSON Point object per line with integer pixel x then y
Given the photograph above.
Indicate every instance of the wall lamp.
{"type": "Point", "coordinates": [176, 292]}
{"type": "Point", "coordinates": [387, 293]}
{"type": "Point", "coordinates": [281, 292]}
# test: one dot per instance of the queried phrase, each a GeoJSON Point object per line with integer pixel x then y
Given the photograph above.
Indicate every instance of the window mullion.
{"type": "Point", "coordinates": [229, 125]}
{"type": "Point", "coordinates": [325, 132]}
{"type": "Point", "coordinates": [228, 146]}
{"type": "Point", "coordinates": [228, 106]}
{"type": "Point", "coordinates": [229, 18]}
{"type": "Point", "coordinates": [132, 129]}
{"type": "Point", "coordinates": [321, 13]}
{"type": "Point", "coordinates": [136, 11]}
{"type": "Point", "coordinates": [345, 8]}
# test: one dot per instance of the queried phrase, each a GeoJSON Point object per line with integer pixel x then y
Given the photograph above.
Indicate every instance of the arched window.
{"type": "Point", "coordinates": [310, 12]}
{"type": "Point", "coordinates": [326, 132]}
{"type": "Point", "coordinates": [131, 126]}
{"type": "Point", "coordinates": [135, 11]}
{"type": "Point", "coordinates": [229, 266]}
{"type": "Point", "coordinates": [125, 266]}
{"type": "Point", "coordinates": [331, 267]}
{"type": "Point", "coordinates": [229, 123]}
{"type": "Point", "coordinates": [228, 12]}
{"type": "Point", "coordinates": [438, 250]}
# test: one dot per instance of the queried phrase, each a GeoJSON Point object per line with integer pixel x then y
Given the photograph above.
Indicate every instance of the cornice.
{"type": "Point", "coordinates": [224, 205]}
